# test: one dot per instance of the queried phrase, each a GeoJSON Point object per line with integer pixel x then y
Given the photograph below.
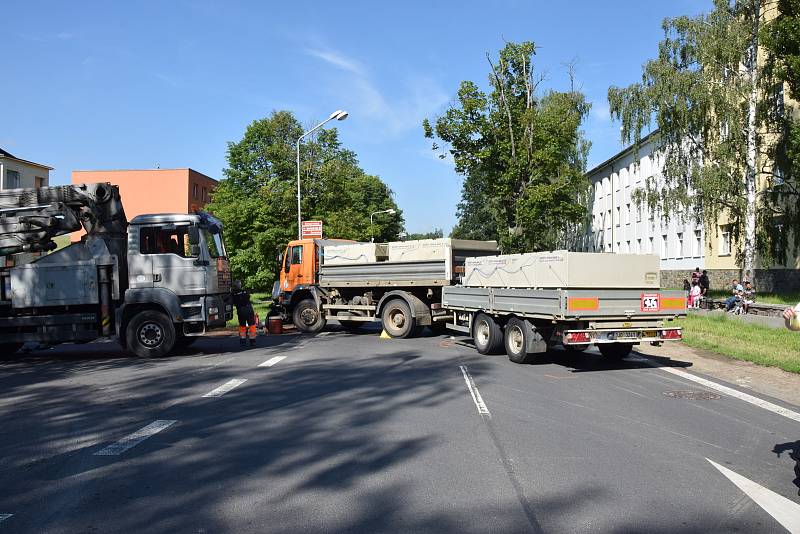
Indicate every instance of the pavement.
{"type": "Point", "coordinates": [343, 432]}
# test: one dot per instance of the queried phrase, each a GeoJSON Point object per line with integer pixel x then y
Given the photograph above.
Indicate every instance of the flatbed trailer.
{"type": "Point", "coordinates": [528, 321]}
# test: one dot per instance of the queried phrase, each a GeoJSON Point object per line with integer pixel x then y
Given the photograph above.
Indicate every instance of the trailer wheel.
{"type": "Point", "coordinates": [516, 341]}
{"type": "Point", "coordinates": [397, 319]}
{"type": "Point", "coordinates": [150, 334]}
{"type": "Point", "coordinates": [615, 351]}
{"type": "Point", "coordinates": [487, 334]}
{"type": "Point", "coordinates": [307, 317]}
{"type": "Point", "coordinates": [7, 349]}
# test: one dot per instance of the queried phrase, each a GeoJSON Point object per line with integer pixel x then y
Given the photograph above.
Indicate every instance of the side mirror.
{"type": "Point", "coordinates": [194, 235]}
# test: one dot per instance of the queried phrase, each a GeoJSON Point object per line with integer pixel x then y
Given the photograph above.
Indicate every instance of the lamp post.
{"type": "Point", "coordinates": [390, 211]}
{"type": "Point", "coordinates": [339, 115]}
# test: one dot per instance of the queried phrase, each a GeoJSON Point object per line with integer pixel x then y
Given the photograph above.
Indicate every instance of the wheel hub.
{"type": "Point", "coordinates": [515, 339]}
{"type": "Point", "coordinates": [308, 316]}
{"type": "Point", "coordinates": [482, 333]}
{"type": "Point", "coordinates": [151, 335]}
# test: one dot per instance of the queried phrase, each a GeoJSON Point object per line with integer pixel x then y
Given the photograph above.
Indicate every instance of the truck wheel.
{"type": "Point", "coordinates": [615, 351]}
{"type": "Point", "coordinates": [486, 334]}
{"type": "Point", "coordinates": [397, 320]}
{"type": "Point", "coordinates": [307, 317]}
{"type": "Point", "coordinates": [7, 349]}
{"type": "Point", "coordinates": [150, 334]}
{"type": "Point", "coordinates": [516, 341]}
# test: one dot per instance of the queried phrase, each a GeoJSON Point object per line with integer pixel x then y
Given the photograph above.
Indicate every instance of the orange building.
{"type": "Point", "coordinates": [155, 190]}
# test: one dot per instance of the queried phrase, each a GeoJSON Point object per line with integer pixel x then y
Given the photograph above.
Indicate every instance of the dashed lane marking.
{"type": "Point", "coordinates": [128, 442]}
{"type": "Point", "coordinates": [272, 361]}
{"type": "Point", "coordinates": [473, 390]}
{"type": "Point", "coordinates": [761, 403]}
{"type": "Point", "coordinates": [226, 387]}
{"type": "Point", "coordinates": [784, 511]}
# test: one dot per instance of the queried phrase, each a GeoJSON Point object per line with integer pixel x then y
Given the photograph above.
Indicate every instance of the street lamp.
{"type": "Point", "coordinates": [339, 115]}
{"type": "Point", "coordinates": [390, 211]}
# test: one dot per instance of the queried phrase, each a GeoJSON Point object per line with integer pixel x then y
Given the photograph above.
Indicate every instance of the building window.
{"type": "Point", "coordinates": [38, 182]}
{"type": "Point", "coordinates": [638, 214]}
{"type": "Point", "coordinates": [698, 243]}
{"type": "Point", "coordinates": [12, 179]}
{"type": "Point", "coordinates": [194, 191]}
{"type": "Point", "coordinates": [725, 241]}
{"type": "Point", "coordinates": [679, 248]}
{"type": "Point", "coordinates": [628, 214]}
{"type": "Point", "coordinates": [205, 194]}
{"type": "Point", "coordinates": [618, 247]}
{"type": "Point", "coordinates": [618, 215]}
{"type": "Point", "coordinates": [627, 247]}
{"type": "Point", "coordinates": [663, 246]}
{"type": "Point", "coordinates": [638, 246]}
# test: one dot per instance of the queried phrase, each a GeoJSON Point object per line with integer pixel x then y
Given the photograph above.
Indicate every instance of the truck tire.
{"type": "Point", "coordinates": [150, 334]}
{"type": "Point", "coordinates": [516, 341]}
{"type": "Point", "coordinates": [397, 320]}
{"type": "Point", "coordinates": [487, 334]}
{"type": "Point", "coordinates": [615, 351]}
{"type": "Point", "coordinates": [307, 317]}
{"type": "Point", "coordinates": [7, 349]}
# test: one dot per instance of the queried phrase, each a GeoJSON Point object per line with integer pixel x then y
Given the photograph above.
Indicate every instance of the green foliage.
{"type": "Point", "coordinates": [257, 199]}
{"type": "Point", "coordinates": [713, 127]}
{"type": "Point", "coordinates": [435, 234]}
{"type": "Point", "coordinates": [521, 152]}
{"type": "Point", "coordinates": [781, 39]}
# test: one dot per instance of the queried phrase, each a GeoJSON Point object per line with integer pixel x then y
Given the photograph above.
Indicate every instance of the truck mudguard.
{"type": "Point", "coordinates": [156, 295]}
{"type": "Point", "coordinates": [419, 310]}
{"type": "Point", "coordinates": [536, 343]}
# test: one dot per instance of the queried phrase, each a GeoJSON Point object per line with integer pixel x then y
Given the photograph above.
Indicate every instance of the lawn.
{"type": "Point", "coordinates": [261, 303]}
{"type": "Point", "coordinates": [774, 347]}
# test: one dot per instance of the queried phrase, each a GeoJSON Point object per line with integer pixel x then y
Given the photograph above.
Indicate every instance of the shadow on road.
{"type": "Point", "coordinates": [793, 448]}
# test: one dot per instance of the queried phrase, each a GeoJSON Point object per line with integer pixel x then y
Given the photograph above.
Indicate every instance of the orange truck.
{"type": "Point", "coordinates": [523, 303]}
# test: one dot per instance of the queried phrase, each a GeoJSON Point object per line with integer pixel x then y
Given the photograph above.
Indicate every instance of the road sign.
{"type": "Point", "coordinates": [312, 230]}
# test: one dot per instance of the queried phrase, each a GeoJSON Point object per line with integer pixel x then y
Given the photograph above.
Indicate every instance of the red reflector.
{"type": "Point", "coordinates": [671, 334]}
{"type": "Point", "coordinates": [577, 337]}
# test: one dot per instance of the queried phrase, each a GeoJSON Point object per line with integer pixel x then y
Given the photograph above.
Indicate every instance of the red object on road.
{"type": "Point", "coordinates": [275, 325]}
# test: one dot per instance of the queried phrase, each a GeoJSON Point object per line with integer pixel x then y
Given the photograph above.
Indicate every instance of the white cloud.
{"type": "Point", "coordinates": [422, 97]}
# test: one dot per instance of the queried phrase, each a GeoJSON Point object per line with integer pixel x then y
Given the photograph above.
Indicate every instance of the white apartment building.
{"type": "Point", "coordinates": [617, 225]}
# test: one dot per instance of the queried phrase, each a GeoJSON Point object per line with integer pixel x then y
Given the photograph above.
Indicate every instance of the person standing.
{"type": "Point", "coordinates": [696, 275]}
{"type": "Point", "coordinates": [705, 284]}
{"type": "Point", "coordinates": [245, 313]}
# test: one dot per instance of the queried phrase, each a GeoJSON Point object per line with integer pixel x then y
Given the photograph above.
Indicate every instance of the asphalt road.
{"type": "Point", "coordinates": [351, 433]}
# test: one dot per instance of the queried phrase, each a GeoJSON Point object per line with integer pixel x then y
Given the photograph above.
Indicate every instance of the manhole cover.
{"type": "Point", "coordinates": [692, 395]}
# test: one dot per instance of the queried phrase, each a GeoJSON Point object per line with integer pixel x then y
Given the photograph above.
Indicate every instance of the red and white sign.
{"type": "Point", "coordinates": [312, 230]}
{"type": "Point", "coordinates": [651, 302]}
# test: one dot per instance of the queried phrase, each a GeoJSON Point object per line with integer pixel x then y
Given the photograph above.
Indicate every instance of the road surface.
{"type": "Point", "coordinates": [347, 432]}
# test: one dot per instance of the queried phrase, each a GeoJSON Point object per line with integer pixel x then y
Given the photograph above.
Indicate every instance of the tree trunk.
{"type": "Point", "coordinates": [750, 178]}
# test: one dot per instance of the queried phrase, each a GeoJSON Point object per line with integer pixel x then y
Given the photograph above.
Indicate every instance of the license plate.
{"type": "Point", "coordinates": [649, 333]}
{"type": "Point", "coordinates": [627, 335]}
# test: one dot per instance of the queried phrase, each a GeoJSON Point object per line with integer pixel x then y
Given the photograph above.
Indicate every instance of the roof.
{"type": "Point", "coordinates": [148, 170]}
{"type": "Point", "coordinates": [624, 152]}
{"type": "Point", "coordinates": [6, 154]}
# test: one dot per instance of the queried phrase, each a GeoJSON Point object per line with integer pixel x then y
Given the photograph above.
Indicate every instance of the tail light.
{"type": "Point", "coordinates": [673, 333]}
{"type": "Point", "coordinates": [577, 337]}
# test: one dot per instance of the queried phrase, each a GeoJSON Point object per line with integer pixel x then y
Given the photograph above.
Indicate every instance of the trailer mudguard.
{"type": "Point", "coordinates": [536, 343]}
{"type": "Point", "coordinates": [419, 310]}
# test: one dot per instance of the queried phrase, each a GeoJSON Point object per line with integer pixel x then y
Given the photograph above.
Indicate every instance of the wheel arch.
{"type": "Point", "coordinates": [420, 311]}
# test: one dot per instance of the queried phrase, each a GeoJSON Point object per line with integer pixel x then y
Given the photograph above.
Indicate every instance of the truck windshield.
{"type": "Point", "coordinates": [216, 246]}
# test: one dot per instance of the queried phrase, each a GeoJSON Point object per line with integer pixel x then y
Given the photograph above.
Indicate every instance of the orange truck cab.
{"type": "Point", "coordinates": [295, 294]}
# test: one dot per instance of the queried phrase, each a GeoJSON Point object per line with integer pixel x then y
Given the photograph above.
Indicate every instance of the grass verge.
{"type": "Point", "coordinates": [737, 339]}
{"type": "Point", "coordinates": [787, 299]}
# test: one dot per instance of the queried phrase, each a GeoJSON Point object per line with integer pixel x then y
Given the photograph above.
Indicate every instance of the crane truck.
{"type": "Point", "coordinates": [523, 303]}
{"type": "Point", "coordinates": [153, 284]}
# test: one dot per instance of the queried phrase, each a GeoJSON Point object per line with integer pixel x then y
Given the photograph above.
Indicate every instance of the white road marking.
{"type": "Point", "coordinates": [272, 361]}
{"type": "Point", "coordinates": [473, 390]}
{"type": "Point", "coordinates": [761, 403]}
{"type": "Point", "coordinates": [115, 449]}
{"type": "Point", "coordinates": [3, 517]}
{"type": "Point", "coordinates": [226, 387]}
{"type": "Point", "coordinates": [321, 334]}
{"type": "Point", "coordinates": [784, 511]}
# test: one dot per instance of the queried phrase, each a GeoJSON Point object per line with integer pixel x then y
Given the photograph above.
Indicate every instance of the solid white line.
{"type": "Point", "coordinates": [272, 361]}
{"type": "Point", "coordinates": [226, 387]}
{"type": "Point", "coordinates": [785, 512]}
{"type": "Point", "coordinates": [3, 517]}
{"type": "Point", "coordinates": [761, 403]}
{"type": "Point", "coordinates": [473, 390]}
{"type": "Point", "coordinates": [115, 449]}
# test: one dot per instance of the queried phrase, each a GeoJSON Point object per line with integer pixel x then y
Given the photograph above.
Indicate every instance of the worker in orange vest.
{"type": "Point", "coordinates": [245, 313]}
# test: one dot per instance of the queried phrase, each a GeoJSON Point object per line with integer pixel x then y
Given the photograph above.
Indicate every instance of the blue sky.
{"type": "Point", "coordinates": [99, 85]}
